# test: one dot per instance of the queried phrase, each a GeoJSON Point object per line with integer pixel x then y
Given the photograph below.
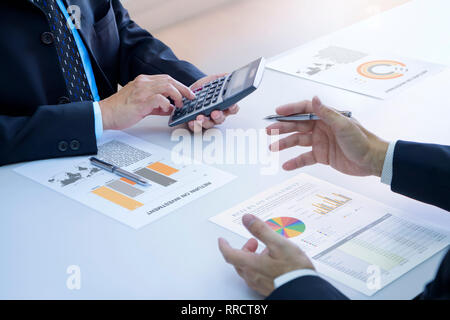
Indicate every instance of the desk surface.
{"type": "Point", "coordinates": [43, 232]}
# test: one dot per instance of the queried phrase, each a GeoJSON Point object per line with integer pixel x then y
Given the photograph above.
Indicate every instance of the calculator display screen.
{"type": "Point", "coordinates": [242, 79]}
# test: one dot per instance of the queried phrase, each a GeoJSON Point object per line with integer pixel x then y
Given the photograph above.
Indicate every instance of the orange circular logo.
{"type": "Point", "coordinates": [382, 69]}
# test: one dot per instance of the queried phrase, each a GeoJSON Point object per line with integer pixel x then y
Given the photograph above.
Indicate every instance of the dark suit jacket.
{"type": "Point", "coordinates": [35, 116]}
{"type": "Point", "coordinates": [422, 172]}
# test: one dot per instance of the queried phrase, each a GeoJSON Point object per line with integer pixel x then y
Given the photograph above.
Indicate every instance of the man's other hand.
{"type": "Point", "coordinates": [340, 142]}
{"type": "Point", "coordinates": [259, 270]}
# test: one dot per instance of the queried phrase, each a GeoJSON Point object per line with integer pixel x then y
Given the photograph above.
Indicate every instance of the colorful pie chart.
{"type": "Point", "coordinates": [286, 226]}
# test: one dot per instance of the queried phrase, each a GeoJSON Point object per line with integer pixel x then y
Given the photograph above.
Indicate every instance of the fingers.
{"type": "Point", "coordinates": [297, 139]}
{"type": "Point", "coordinates": [185, 91]}
{"type": "Point", "coordinates": [158, 101]}
{"type": "Point", "coordinates": [196, 126]}
{"type": "Point", "coordinates": [238, 258]}
{"type": "Point", "coordinates": [232, 110]}
{"type": "Point", "coordinates": [262, 231]}
{"type": "Point", "coordinates": [165, 84]}
{"type": "Point", "coordinates": [289, 127]}
{"type": "Point", "coordinates": [306, 159]}
{"type": "Point", "coordinates": [330, 116]}
{"type": "Point", "coordinates": [295, 108]}
{"type": "Point", "coordinates": [168, 90]}
{"type": "Point", "coordinates": [251, 245]}
{"type": "Point", "coordinates": [205, 80]}
{"type": "Point", "coordinates": [207, 123]}
{"type": "Point", "coordinates": [204, 122]}
{"type": "Point", "coordinates": [160, 112]}
{"type": "Point", "coordinates": [218, 117]}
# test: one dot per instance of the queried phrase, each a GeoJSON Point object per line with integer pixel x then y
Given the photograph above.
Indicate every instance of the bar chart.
{"type": "Point", "coordinates": [123, 192]}
{"type": "Point", "coordinates": [117, 198]}
{"type": "Point", "coordinates": [330, 203]}
{"type": "Point", "coordinates": [155, 177]}
{"type": "Point", "coordinates": [172, 182]}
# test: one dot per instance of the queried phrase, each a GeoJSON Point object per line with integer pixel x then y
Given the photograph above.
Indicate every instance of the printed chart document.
{"type": "Point", "coordinates": [350, 238]}
{"type": "Point", "coordinates": [171, 186]}
{"type": "Point", "coordinates": [375, 75]}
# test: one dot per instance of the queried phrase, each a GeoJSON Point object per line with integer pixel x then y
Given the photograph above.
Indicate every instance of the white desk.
{"type": "Point", "coordinates": [43, 232]}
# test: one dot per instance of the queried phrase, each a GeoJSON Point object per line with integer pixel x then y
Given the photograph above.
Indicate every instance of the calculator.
{"type": "Point", "coordinates": [220, 94]}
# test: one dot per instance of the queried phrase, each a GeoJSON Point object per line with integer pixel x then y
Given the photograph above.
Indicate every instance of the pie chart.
{"type": "Point", "coordinates": [286, 226]}
{"type": "Point", "coordinates": [382, 69]}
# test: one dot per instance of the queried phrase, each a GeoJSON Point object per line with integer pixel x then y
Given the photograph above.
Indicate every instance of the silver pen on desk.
{"type": "Point", "coordinates": [302, 117]}
{"type": "Point", "coordinates": [120, 172]}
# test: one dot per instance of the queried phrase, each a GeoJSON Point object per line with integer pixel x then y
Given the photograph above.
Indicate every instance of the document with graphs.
{"type": "Point", "coordinates": [171, 185]}
{"type": "Point", "coordinates": [350, 238]}
{"type": "Point", "coordinates": [378, 75]}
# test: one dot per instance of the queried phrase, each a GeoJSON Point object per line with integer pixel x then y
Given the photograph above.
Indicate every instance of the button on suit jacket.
{"type": "Point", "coordinates": [35, 114]}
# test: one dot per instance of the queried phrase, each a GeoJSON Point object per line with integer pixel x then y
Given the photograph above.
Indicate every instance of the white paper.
{"type": "Point", "coordinates": [138, 206]}
{"type": "Point", "coordinates": [377, 75]}
{"type": "Point", "coordinates": [349, 237]}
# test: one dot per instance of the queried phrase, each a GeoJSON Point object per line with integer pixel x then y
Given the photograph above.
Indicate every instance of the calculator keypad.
{"type": "Point", "coordinates": [206, 96]}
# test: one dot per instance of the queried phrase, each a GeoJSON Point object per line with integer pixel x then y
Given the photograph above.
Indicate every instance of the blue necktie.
{"type": "Point", "coordinates": [69, 58]}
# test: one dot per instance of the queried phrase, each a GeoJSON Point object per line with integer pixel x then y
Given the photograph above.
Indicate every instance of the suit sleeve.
{"type": "Point", "coordinates": [52, 131]}
{"type": "Point", "coordinates": [439, 288]}
{"type": "Point", "coordinates": [307, 288]}
{"type": "Point", "coordinates": [141, 53]}
{"type": "Point", "coordinates": [422, 172]}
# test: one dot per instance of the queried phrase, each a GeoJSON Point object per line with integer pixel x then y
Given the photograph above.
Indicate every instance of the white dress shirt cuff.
{"type": "Point", "coordinates": [285, 278]}
{"type": "Point", "coordinates": [388, 167]}
{"type": "Point", "coordinates": [98, 121]}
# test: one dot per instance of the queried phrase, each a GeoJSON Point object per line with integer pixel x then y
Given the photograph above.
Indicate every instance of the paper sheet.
{"type": "Point", "coordinates": [171, 186]}
{"type": "Point", "coordinates": [350, 238]}
{"type": "Point", "coordinates": [377, 75]}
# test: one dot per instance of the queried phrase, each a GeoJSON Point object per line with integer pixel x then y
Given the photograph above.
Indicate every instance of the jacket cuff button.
{"type": "Point", "coordinates": [63, 146]}
{"type": "Point", "coordinates": [75, 145]}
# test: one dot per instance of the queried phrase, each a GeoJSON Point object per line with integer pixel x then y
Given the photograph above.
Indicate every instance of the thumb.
{"type": "Point", "coordinates": [330, 116]}
{"type": "Point", "coordinates": [262, 231]}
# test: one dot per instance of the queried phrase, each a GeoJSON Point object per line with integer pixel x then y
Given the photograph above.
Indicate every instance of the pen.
{"type": "Point", "coordinates": [120, 172]}
{"type": "Point", "coordinates": [302, 117]}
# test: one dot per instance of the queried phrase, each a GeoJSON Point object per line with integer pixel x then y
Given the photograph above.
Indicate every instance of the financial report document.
{"type": "Point", "coordinates": [378, 75]}
{"type": "Point", "coordinates": [350, 238]}
{"type": "Point", "coordinates": [171, 185]}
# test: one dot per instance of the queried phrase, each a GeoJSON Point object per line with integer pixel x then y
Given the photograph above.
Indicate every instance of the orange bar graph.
{"type": "Point", "coordinates": [162, 168]}
{"type": "Point", "coordinates": [117, 198]}
{"type": "Point", "coordinates": [329, 204]}
{"type": "Point", "coordinates": [128, 181]}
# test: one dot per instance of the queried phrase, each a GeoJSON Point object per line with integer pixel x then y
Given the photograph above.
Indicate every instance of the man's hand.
{"type": "Point", "coordinates": [217, 117]}
{"type": "Point", "coordinates": [146, 95]}
{"type": "Point", "coordinates": [336, 140]}
{"type": "Point", "coordinates": [260, 270]}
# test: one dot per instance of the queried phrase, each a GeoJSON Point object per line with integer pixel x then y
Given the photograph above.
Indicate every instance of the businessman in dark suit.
{"type": "Point", "coordinates": [282, 270]}
{"type": "Point", "coordinates": [61, 64]}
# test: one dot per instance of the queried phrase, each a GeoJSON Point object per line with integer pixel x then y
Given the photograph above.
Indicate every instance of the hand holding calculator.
{"type": "Point", "coordinates": [220, 94]}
